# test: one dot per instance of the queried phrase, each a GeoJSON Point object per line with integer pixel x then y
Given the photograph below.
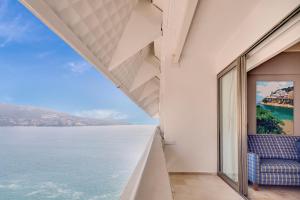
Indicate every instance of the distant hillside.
{"type": "Point", "coordinates": [13, 115]}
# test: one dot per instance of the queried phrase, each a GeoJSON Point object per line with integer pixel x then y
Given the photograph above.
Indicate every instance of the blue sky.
{"type": "Point", "coordinates": [39, 69]}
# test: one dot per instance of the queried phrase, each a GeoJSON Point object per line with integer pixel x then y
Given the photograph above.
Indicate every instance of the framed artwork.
{"type": "Point", "coordinates": [275, 107]}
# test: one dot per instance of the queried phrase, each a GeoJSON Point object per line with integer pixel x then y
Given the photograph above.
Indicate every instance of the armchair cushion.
{"type": "Point", "coordinates": [279, 179]}
{"type": "Point", "coordinates": [287, 146]}
{"type": "Point", "coordinates": [273, 146]}
{"type": "Point", "coordinates": [263, 145]}
{"type": "Point", "coordinates": [279, 166]}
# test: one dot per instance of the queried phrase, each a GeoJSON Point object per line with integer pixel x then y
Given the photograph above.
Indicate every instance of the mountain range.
{"type": "Point", "coordinates": [16, 115]}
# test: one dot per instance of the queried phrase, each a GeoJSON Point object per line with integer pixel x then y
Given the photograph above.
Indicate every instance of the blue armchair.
{"type": "Point", "coordinates": [272, 160]}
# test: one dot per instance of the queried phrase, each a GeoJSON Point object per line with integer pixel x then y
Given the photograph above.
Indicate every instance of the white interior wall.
{"type": "Point", "coordinates": [220, 31]}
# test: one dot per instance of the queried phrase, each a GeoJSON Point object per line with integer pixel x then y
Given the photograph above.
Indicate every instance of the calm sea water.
{"type": "Point", "coordinates": [78, 163]}
{"type": "Point", "coordinates": [281, 112]}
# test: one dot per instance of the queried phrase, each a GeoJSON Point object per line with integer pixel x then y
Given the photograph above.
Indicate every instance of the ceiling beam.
{"type": "Point", "coordinates": [143, 27]}
{"type": "Point", "coordinates": [150, 88]}
{"type": "Point", "coordinates": [153, 108]}
{"type": "Point", "coordinates": [156, 116]}
{"type": "Point", "coordinates": [182, 12]}
{"type": "Point", "coordinates": [141, 99]}
{"type": "Point", "coordinates": [159, 3]}
{"type": "Point", "coordinates": [157, 48]}
{"type": "Point", "coordinates": [149, 100]}
{"type": "Point", "coordinates": [148, 70]}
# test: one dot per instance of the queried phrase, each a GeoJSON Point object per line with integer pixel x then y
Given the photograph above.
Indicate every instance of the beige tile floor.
{"type": "Point", "coordinates": [274, 193]}
{"type": "Point", "coordinates": [201, 187]}
{"type": "Point", "coordinates": [211, 187]}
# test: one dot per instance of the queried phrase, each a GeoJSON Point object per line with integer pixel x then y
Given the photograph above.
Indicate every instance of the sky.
{"type": "Point", "coordinates": [39, 69]}
{"type": "Point", "coordinates": [264, 88]}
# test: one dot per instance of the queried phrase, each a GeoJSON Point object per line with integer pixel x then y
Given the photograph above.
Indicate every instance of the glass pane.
{"type": "Point", "coordinates": [229, 125]}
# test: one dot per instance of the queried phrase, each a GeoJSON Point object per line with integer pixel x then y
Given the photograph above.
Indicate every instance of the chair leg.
{"type": "Point", "coordinates": [255, 186]}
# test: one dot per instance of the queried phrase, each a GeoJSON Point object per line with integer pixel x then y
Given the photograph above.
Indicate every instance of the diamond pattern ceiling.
{"type": "Point", "coordinates": [99, 24]}
{"type": "Point", "coordinates": [127, 71]}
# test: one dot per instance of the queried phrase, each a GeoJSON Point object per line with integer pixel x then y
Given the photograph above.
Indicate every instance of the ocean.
{"type": "Point", "coordinates": [280, 112]}
{"type": "Point", "coordinates": [76, 163]}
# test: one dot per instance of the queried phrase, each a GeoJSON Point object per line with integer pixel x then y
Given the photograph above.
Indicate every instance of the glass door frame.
{"type": "Point", "coordinates": [242, 185]}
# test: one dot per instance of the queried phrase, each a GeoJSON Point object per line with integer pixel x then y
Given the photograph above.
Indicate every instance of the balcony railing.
{"type": "Point", "coordinates": [150, 180]}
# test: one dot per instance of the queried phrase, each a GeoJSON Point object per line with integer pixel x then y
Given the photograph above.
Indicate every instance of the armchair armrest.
{"type": "Point", "coordinates": [253, 167]}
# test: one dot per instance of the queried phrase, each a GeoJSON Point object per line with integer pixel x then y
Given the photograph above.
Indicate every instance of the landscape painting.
{"type": "Point", "coordinates": [275, 107]}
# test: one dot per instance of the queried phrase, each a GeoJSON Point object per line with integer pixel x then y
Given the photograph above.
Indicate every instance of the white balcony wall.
{"type": "Point", "coordinates": [150, 179]}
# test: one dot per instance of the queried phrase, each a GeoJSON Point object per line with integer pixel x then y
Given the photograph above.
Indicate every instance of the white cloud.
{"type": "Point", "coordinates": [79, 67]}
{"type": "Point", "coordinates": [105, 114]}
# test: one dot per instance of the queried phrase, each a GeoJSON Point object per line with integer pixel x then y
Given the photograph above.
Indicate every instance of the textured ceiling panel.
{"type": "Point", "coordinates": [153, 108]}
{"type": "Point", "coordinates": [138, 92]}
{"type": "Point", "coordinates": [99, 24]}
{"type": "Point", "coordinates": [147, 101]}
{"type": "Point", "coordinates": [146, 90]}
{"type": "Point", "coordinates": [128, 70]}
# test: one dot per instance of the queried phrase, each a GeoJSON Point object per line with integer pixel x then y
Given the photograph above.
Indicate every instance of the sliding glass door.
{"type": "Point", "coordinates": [232, 101]}
{"type": "Point", "coordinates": [230, 126]}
